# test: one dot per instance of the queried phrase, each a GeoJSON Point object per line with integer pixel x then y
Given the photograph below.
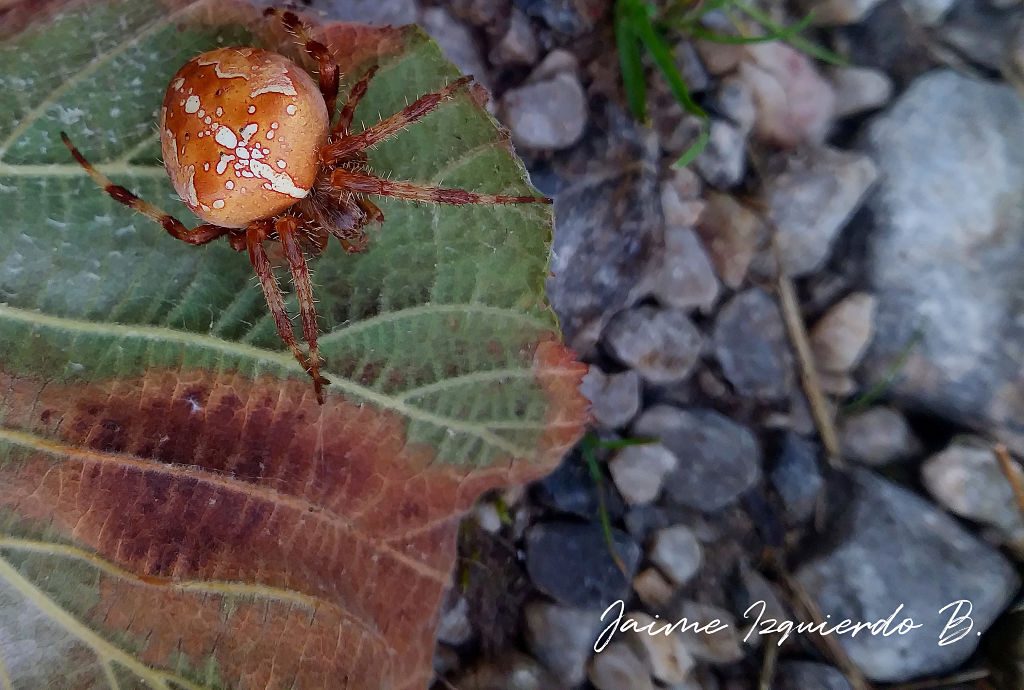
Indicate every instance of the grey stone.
{"type": "Point", "coordinates": [946, 250]}
{"type": "Point", "coordinates": [811, 200]}
{"type": "Point", "coordinates": [571, 563]}
{"type": "Point", "coordinates": [840, 337]}
{"type": "Point", "coordinates": [723, 161]}
{"type": "Point", "coordinates": [639, 471]}
{"type": "Point", "coordinates": [662, 345]}
{"type": "Point", "coordinates": [802, 675]}
{"type": "Point", "coordinates": [677, 552]}
{"type": "Point", "coordinates": [454, 627]}
{"type": "Point", "coordinates": [554, 63]}
{"type": "Point", "coordinates": [893, 548]}
{"type": "Point", "coordinates": [519, 44]}
{"type": "Point", "coordinates": [614, 398]}
{"type": "Point", "coordinates": [751, 345]}
{"type": "Point", "coordinates": [796, 476]}
{"type": "Point", "coordinates": [457, 42]}
{"type": "Point", "coordinates": [549, 114]}
{"type": "Point", "coordinates": [860, 89]}
{"type": "Point", "coordinates": [616, 667]}
{"type": "Point", "coordinates": [719, 459]}
{"type": "Point", "coordinates": [967, 479]}
{"type": "Point", "coordinates": [608, 228]}
{"type": "Point", "coordinates": [562, 638]}
{"type": "Point", "coordinates": [980, 32]}
{"type": "Point", "coordinates": [686, 279]}
{"type": "Point", "coordinates": [877, 436]}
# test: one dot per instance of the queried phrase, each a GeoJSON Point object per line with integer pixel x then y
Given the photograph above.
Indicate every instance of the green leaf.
{"type": "Point", "coordinates": [696, 147]}
{"type": "Point", "coordinates": [176, 511]}
{"type": "Point", "coordinates": [662, 56]}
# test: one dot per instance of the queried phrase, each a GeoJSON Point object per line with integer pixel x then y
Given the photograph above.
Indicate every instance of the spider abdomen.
{"type": "Point", "coordinates": [239, 129]}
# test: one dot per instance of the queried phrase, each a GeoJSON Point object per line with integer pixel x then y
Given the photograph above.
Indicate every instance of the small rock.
{"type": "Point", "coordinates": [616, 667]}
{"type": "Point", "coordinates": [897, 549]}
{"type": "Point", "coordinates": [681, 211]}
{"type": "Point", "coordinates": [639, 471]}
{"type": "Point", "coordinates": [722, 458]}
{"type": "Point", "coordinates": [614, 398]}
{"type": "Point", "coordinates": [877, 436]}
{"type": "Point", "coordinates": [967, 479]}
{"type": "Point", "coordinates": [686, 279]}
{"type": "Point", "coordinates": [549, 114]}
{"type": "Point", "coordinates": [800, 675]}
{"type": "Point", "coordinates": [795, 104]}
{"type": "Point", "coordinates": [562, 638]}
{"type": "Point", "coordinates": [669, 659]}
{"type": "Point", "coordinates": [487, 516]}
{"type": "Point", "coordinates": [571, 563]}
{"type": "Point", "coordinates": [859, 89]}
{"type": "Point", "coordinates": [663, 345]}
{"type": "Point", "coordinates": [840, 12]}
{"type": "Point", "coordinates": [677, 552]}
{"type": "Point", "coordinates": [687, 186]}
{"type": "Point", "coordinates": [796, 477]}
{"type": "Point", "coordinates": [812, 199]}
{"type": "Point", "coordinates": [690, 67]}
{"type": "Point", "coordinates": [513, 671]}
{"type": "Point", "coordinates": [751, 345]}
{"type": "Point", "coordinates": [519, 44]}
{"type": "Point", "coordinates": [456, 41]}
{"type": "Point", "coordinates": [556, 62]}
{"type": "Point", "coordinates": [723, 161]}
{"type": "Point", "coordinates": [841, 336]}
{"type": "Point", "coordinates": [653, 589]}
{"type": "Point", "coordinates": [734, 101]}
{"type": "Point", "coordinates": [720, 58]}
{"type": "Point", "coordinates": [732, 234]}
{"type": "Point", "coordinates": [758, 592]}
{"type": "Point", "coordinates": [722, 647]}
{"type": "Point", "coordinates": [454, 627]}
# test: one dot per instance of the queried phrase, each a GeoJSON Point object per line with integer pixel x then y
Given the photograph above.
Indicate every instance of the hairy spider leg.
{"type": "Point", "coordinates": [327, 68]}
{"type": "Point", "coordinates": [255, 234]}
{"type": "Point", "coordinates": [389, 126]}
{"type": "Point", "coordinates": [368, 184]}
{"type": "Point", "coordinates": [287, 227]}
{"type": "Point", "coordinates": [355, 95]}
{"type": "Point", "coordinates": [201, 234]}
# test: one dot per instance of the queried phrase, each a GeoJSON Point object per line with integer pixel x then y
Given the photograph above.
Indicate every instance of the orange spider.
{"type": "Point", "coordinates": [248, 143]}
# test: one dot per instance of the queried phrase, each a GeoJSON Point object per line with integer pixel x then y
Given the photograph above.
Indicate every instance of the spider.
{"type": "Point", "coordinates": [248, 141]}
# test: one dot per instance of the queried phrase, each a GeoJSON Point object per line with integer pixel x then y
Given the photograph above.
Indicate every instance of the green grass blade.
{"type": "Point", "coordinates": [662, 56]}
{"type": "Point", "coordinates": [791, 37]}
{"type": "Point", "coordinates": [630, 59]}
{"type": "Point", "coordinates": [695, 148]}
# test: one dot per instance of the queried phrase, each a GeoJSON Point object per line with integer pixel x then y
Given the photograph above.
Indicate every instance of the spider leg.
{"type": "Point", "coordinates": [327, 68]}
{"type": "Point", "coordinates": [390, 126]}
{"type": "Point", "coordinates": [286, 227]}
{"type": "Point", "coordinates": [201, 234]}
{"type": "Point", "coordinates": [355, 95]}
{"type": "Point", "coordinates": [360, 183]}
{"type": "Point", "coordinates": [255, 234]}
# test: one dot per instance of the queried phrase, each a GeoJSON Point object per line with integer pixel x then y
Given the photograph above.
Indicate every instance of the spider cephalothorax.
{"type": "Point", "coordinates": [250, 147]}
